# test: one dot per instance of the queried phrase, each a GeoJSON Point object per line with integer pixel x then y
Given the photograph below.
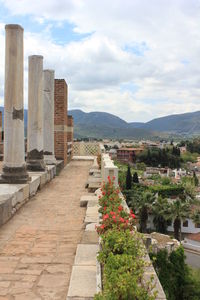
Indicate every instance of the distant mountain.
{"type": "Point", "coordinates": [105, 125]}
{"type": "Point", "coordinates": [187, 124]}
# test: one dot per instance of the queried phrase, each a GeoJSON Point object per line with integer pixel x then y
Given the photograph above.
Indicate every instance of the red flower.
{"type": "Point", "coordinates": [104, 207]}
{"type": "Point", "coordinates": [103, 193]}
{"type": "Point", "coordinates": [120, 208]}
{"type": "Point", "coordinates": [102, 226]}
{"type": "Point", "coordinates": [121, 219]}
{"type": "Point", "coordinates": [112, 213]}
{"type": "Point", "coordinates": [105, 217]}
{"type": "Point", "coordinates": [99, 197]}
{"type": "Point", "coordinates": [133, 216]}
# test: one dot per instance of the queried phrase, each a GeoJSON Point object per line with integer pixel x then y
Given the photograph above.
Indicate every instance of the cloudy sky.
{"type": "Point", "coordinates": [138, 59]}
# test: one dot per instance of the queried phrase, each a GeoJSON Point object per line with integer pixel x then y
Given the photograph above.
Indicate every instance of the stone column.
{"type": "Point", "coordinates": [35, 155]}
{"type": "Point", "coordinates": [14, 167]}
{"type": "Point", "coordinates": [48, 116]}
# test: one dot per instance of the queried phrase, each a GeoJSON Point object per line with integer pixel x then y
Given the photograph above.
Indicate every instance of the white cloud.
{"type": "Point", "coordinates": [167, 74]}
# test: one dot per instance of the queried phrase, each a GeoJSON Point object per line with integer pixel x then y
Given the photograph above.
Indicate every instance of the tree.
{"type": "Point", "coordinates": [178, 211]}
{"type": "Point", "coordinates": [196, 216]}
{"type": "Point", "coordinates": [135, 178]}
{"type": "Point", "coordinates": [195, 179]}
{"type": "Point", "coordinates": [143, 206]}
{"type": "Point", "coordinates": [128, 179]}
{"type": "Point", "coordinates": [159, 210]}
{"type": "Point", "coordinates": [178, 281]}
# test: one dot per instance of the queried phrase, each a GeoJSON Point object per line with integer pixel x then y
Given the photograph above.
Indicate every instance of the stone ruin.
{"type": "Point", "coordinates": [49, 128]}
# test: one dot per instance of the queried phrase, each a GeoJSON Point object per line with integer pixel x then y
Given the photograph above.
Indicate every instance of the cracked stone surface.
{"type": "Point", "coordinates": [38, 245]}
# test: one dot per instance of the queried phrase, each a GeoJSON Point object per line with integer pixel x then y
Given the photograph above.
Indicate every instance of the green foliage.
{"type": "Point", "coordinates": [193, 146]}
{"type": "Point", "coordinates": [122, 252]}
{"type": "Point", "coordinates": [141, 166]}
{"type": "Point", "coordinates": [128, 179]}
{"type": "Point", "coordinates": [189, 157]}
{"type": "Point", "coordinates": [161, 157]}
{"type": "Point", "coordinates": [121, 256]}
{"type": "Point", "coordinates": [159, 210]}
{"type": "Point", "coordinates": [135, 178]}
{"type": "Point", "coordinates": [167, 190]}
{"type": "Point", "coordinates": [178, 281]}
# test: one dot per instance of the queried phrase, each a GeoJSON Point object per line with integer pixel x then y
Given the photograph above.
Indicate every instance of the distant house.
{"type": "Point", "coordinates": [128, 154]}
{"type": "Point", "coordinates": [183, 149]}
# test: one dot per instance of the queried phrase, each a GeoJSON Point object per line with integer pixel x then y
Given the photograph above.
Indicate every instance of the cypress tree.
{"type": "Point", "coordinates": [135, 178]}
{"type": "Point", "coordinates": [128, 179]}
{"type": "Point", "coordinates": [195, 178]}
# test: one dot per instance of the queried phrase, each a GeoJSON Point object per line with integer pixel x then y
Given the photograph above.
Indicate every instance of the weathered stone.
{"type": "Point", "coordinates": [14, 168]}
{"type": "Point", "coordinates": [35, 156]}
{"type": "Point", "coordinates": [90, 237]}
{"type": "Point", "coordinates": [82, 282]}
{"type": "Point", "coordinates": [86, 255]}
{"type": "Point", "coordinates": [48, 116]}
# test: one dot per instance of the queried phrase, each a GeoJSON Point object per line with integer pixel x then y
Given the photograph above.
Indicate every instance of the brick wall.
{"type": "Point", "coordinates": [70, 136]}
{"type": "Point", "coordinates": [0, 126]}
{"type": "Point", "coordinates": [60, 119]}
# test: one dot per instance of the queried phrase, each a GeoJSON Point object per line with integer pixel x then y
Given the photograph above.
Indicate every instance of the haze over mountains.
{"type": "Point", "coordinates": [105, 125]}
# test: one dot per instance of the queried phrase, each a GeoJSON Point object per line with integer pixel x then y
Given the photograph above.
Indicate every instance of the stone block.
{"type": "Point", "coordinates": [85, 198]}
{"type": "Point", "coordinates": [91, 227]}
{"type": "Point", "coordinates": [5, 208]}
{"type": "Point", "coordinates": [92, 215]}
{"type": "Point", "coordinates": [82, 282]}
{"type": "Point", "coordinates": [86, 255]}
{"type": "Point", "coordinates": [90, 237]}
{"type": "Point", "coordinates": [34, 185]}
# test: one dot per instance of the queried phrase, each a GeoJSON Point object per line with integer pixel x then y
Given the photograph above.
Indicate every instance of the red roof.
{"type": "Point", "coordinates": [194, 236]}
{"type": "Point", "coordinates": [131, 149]}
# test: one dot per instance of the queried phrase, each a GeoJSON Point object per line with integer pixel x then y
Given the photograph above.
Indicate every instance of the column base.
{"type": "Point", "coordinates": [35, 161]}
{"type": "Point", "coordinates": [36, 165]}
{"type": "Point", "coordinates": [16, 175]}
{"type": "Point", "coordinates": [50, 159]}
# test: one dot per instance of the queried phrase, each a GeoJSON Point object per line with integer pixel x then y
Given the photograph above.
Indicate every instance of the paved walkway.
{"type": "Point", "coordinates": [38, 245]}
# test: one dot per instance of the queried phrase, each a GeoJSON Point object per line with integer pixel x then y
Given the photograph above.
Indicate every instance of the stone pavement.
{"type": "Point", "coordinates": [38, 245]}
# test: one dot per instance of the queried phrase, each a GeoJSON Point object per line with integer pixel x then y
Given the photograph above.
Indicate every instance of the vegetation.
{"type": "Point", "coordinates": [122, 251]}
{"type": "Point", "coordinates": [169, 157]}
{"type": "Point", "coordinates": [128, 179]}
{"type": "Point", "coordinates": [178, 280]}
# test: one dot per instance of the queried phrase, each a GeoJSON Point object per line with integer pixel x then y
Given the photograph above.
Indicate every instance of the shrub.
{"type": "Point", "coordinates": [122, 251]}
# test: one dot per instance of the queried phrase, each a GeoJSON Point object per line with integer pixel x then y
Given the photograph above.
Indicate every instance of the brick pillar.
{"type": "Point", "coordinates": [60, 119]}
{"type": "Point", "coordinates": [0, 126]}
{"type": "Point", "coordinates": [70, 136]}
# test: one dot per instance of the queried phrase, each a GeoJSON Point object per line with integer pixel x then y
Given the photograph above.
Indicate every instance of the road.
{"type": "Point", "coordinates": [192, 259]}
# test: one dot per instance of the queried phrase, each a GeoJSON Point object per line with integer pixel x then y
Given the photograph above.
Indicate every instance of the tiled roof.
{"type": "Point", "coordinates": [194, 237]}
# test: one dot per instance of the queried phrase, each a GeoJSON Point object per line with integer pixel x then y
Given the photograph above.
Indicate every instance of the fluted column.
{"type": "Point", "coordinates": [35, 150]}
{"type": "Point", "coordinates": [48, 116]}
{"type": "Point", "coordinates": [14, 167]}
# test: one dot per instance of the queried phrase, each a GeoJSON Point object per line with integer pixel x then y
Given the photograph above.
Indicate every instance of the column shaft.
{"type": "Point", "coordinates": [14, 167]}
{"type": "Point", "coordinates": [48, 116]}
{"type": "Point", "coordinates": [35, 153]}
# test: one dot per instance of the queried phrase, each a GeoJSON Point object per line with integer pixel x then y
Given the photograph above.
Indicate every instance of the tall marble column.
{"type": "Point", "coordinates": [48, 116]}
{"type": "Point", "coordinates": [35, 153]}
{"type": "Point", "coordinates": [14, 167]}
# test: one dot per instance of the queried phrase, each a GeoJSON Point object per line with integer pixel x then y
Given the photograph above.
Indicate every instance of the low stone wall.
{"type": "Point", "coordinates": [13, 196]}
{"type": "Point", "coordinates": [85, 149]}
